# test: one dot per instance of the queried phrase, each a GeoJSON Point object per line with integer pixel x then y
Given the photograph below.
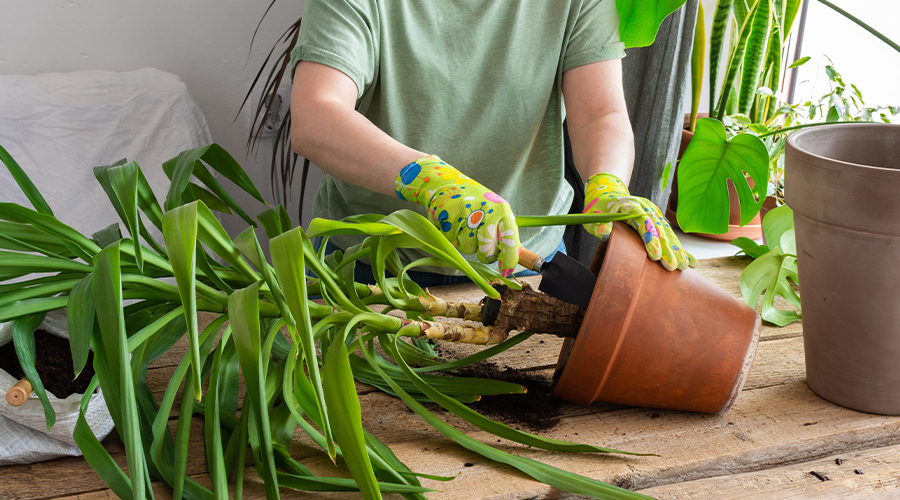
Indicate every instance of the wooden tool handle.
{"type": "Point", "coordinates": [530, 260]}
{"type": "Point", "coordinates": [19, 393]}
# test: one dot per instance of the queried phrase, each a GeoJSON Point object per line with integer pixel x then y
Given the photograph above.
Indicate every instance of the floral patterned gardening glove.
{"type": "Point", "coordinates": [607, 194]}
{"type": "Point", "coordinates": [472, 217]}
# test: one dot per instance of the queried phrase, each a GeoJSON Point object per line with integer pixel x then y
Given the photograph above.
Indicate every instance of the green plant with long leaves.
{"type": "Point", "coordinates": [297, 358]}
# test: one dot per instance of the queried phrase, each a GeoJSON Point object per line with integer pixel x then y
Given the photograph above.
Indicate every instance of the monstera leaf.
{"type": "Point", "coordinates": [639, 20]}
{"type": "Point", "coordinates": [703, 173]}
{"type": "Point", "coordinates": [771, 273]}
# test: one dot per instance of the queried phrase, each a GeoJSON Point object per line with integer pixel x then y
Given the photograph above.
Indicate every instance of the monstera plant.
{"type": "Point", "coordinates": [297, 358]}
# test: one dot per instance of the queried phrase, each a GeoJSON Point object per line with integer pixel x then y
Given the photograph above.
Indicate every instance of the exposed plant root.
{"type": "Point", "coordinates": [530, 310]}
{"type": "Point", "coordinates": [467, 334]}
{"type": "Point", "coordinates": [436, 306]}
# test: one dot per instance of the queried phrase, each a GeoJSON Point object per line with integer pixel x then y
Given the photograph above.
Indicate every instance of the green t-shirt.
{"type": "Point", "coordinates": [476, 82]}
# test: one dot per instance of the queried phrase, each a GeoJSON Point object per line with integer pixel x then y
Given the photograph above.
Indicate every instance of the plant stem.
{"type": "Point", "coordinates": [466, 334]}
{"type": "Point", "coordinates": [437, 306]}
{"type": "Point", "coordinates": [862, 24]}
{"type": "Point", "coordinates": [798, 127]}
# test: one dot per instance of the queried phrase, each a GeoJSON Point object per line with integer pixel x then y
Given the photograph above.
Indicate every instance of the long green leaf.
{"type": "Point", "coordinates": [214, 236]}
{"type": "Point", "coordinates": [288, 259]}
{"type": "Point", "coordinates": [716, 44]}
{"type": "Point", "coordinates": [313, 483]}
{"type": "Point", "coordinates": [550, 475]}
{"type": "Point", "coordinates": [486, 424]}
{"type": "Point", "coordinates": [180, 235]}
{"type": "Point", "coordinates": [80, 314]}
{"type": "Point", "coordinates": [38, 291]}
{"type": "Point", "coordinates": [94, 452]}
{"type": "Point", "coordinates": [275, 221]}
{"type": "Point", "coordinates": [243, 314]}
{"type": "Point", "coordinates": [735, 59]}
{"type": "Point", "coordinates": [79, 244]}
{"type": "Point", "coordinates": [124, 181]}
{"type": "Point", "coordinates": [24, 308]}
{"type": "Point", "coordinates": [212, 428]}
{"type": "Point", "coordinates": [23, 263]}
{"type": "Point", "coordinates": [107, 286]}
{"type": "Point", "coordinates": [182, 438]}
{"type": "Point", "coordinates": [698, 56]}
{"type": "Point", "coordinates": [23, 340]}
{"type": "Point", "coordinates": [24, 182]}
{"type": "Point", "coordinates": [180, 174]}
{"type": "Point", "coordinates": [180, 168]}
{"type": "Point", "coordinates": [754, 54]}
{"type": "Point", "coordinates": [343, 404]}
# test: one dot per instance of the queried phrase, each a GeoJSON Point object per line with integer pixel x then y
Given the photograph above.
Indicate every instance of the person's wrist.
{"type": "Point", "coordinates": [412, 179]}
{"type": "Point", "coordinates": [604, 182]}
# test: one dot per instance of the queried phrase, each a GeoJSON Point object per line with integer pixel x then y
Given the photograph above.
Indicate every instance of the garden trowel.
{"type": "Point", "coordinates": [562, 277]}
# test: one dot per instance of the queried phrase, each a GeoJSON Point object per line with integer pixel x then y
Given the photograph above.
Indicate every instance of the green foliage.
{"type": "Point", "coordinates": [639, 20]}
{"type": "Point", "coordinates": [774, 268]}
{"type": "Point", "coordinates": [708, 163]}
{"type": "Point", "coordinates": [698, 55]}
{"type": "Point", "coordinates": [290, 385]}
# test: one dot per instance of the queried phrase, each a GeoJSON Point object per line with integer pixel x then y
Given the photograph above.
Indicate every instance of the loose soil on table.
{"type": "Point", "coordinates": [536, 409]}
{"type": "Point", "coordinates": [53, 363]}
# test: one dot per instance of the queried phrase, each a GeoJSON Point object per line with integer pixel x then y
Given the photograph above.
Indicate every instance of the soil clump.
{"type": "Point", "coordinates": [53, 361]}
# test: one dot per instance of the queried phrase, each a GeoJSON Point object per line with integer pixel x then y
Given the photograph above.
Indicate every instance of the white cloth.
{"type": "Point", "coordinates": [24, 437]}
{"type": "Point", "coordinates": [58, 126]}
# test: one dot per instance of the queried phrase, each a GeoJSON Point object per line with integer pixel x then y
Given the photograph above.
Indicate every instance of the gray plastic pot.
{"type": "Point", "coordinates": [843, 182]}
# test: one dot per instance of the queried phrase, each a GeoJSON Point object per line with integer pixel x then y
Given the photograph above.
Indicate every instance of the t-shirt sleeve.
{"type": "Point", "coordinates": [341, 34]}
{"type": "Point", "coordinates": [595, 35]}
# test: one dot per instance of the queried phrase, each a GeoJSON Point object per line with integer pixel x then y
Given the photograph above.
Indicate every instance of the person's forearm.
{"type": "Point", "coordinates": [346, 145]}
{"type": "Point", "coordinates": [602, 143]}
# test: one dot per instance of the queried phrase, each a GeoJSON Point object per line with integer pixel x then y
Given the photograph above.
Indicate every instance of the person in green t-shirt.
{"type": "Point", "coordinates": [389, 94]}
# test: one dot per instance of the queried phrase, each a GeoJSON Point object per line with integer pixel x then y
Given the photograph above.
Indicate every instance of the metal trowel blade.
{"type": "Point", "coordinates": [567, 280]}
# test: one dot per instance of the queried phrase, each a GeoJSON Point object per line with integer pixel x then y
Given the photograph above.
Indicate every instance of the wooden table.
{"type": "Point", "coordinates": [767, 446]}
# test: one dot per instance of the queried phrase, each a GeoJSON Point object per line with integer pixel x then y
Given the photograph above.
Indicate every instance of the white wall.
{"type": "Point", "coordinates": [205, 42]}
{"type": "Point", "coordinates": [860, 58]}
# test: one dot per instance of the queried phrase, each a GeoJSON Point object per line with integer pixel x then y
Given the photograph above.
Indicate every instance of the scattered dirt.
{"type": "Point", "coordinates": [53, 363]}
{"type": "Point", "coordinates": [536, 409]}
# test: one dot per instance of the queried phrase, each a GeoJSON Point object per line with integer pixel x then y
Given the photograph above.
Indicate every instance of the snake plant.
{"type": "Point", "coordinates": [131, 298]}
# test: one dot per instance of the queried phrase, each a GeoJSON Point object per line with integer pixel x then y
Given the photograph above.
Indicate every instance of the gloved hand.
{"type": "Point", "coordinates": [607, 194]}
{"type": "Point", "coordinates": [472, 217]}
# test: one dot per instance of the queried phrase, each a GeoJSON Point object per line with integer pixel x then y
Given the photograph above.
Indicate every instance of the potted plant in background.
{"type": "Point", "coordinates": [723, 179]}
{"type": "Point", "coordinates": [775, 263]}
{"type": "Point", "coordinates": [755, 59]}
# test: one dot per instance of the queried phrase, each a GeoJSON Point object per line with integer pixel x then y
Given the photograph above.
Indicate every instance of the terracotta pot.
{"type": "Point", "coordinates": [752, 229]}
{"type": "Point", "coordinates": [843, 182]}
{"type": "Point", "coordinates": [656, 338]}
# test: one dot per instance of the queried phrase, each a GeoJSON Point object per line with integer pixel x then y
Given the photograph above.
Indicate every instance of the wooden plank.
{"type": "Point", "coordinates": [880, 479]}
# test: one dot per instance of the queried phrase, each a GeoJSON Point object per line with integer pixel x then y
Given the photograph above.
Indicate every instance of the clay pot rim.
{"type": "Point", "coordinates": [791, 145]}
